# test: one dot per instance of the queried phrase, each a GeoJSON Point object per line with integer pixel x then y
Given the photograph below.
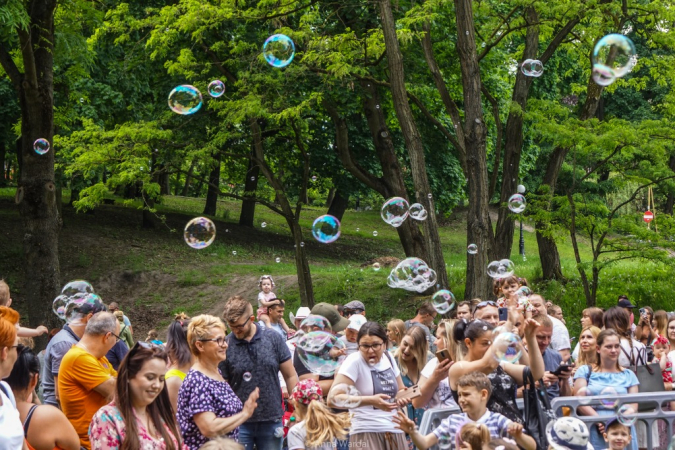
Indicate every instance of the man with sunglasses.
{"type": "Point", "coordinates": [355, 307]}
{"type": "Point", "coordinates": [487, 311]}
{"type": "Point", "coordinates": [86, 377]}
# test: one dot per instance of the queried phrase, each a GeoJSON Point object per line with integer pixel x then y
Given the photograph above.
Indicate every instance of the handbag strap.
{"type": "Point", "coordinates": [631, 358]}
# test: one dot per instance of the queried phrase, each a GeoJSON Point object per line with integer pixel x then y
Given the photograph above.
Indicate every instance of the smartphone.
{"type": "Point", "coordinates": [410, 393]}
{"type": "Point", "coordinates": [443, 355]}
{"type": "Point", "coordinates": [562, 368]}
{"type": "Point", "coordinates": [503, 314]}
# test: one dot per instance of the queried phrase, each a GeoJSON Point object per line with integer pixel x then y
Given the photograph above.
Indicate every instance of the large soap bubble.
{"type": "Point", "coordinates": [59, 306]}
{"type": "Point", "coordinates": [344, 396]}
{"type": "Point", "coordinates": [321, 352]}
{"type": "Point", "coordinates": [216, 88]}
{"type": "Point", "coordinates": [417, 211]}
{"type": "Point", "coordinates": [532, 68]}
{"type": "Point", "coordinates": [199, 233]}
{"type": "Point", "coordinates": [395, 211]}
{"type": "Point", "coordinates": [76, 287]}
{"type": "Point", "coordinates": [507, 347]}
{"type": "Point", "coordinates": [603, 75]}
{"type": "Point", "coordinates": [41, 146]}
{"type": "Point", "coordinates": [517, 203]}
{"type": "Point", "coordinates": [315, 323]}
{"type": "Point", "coordinates": [443, 301]}
{"type": "Point", "coordinates": [279, 50]}
{"type": "Point", "coordinates": [185, 99]}
{"type": "Point", "coordinates": [616, 52]}
{"type": "Point", "coordinates": [326, 229]}
{"type": "Point", "coordinates": [501, 269]}
{"type": "Point", "coordinates": [412, 274]}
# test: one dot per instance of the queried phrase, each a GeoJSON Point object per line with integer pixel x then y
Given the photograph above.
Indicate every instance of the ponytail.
{"type": "Point", "coordinates": [323, 426]}
{"type": "Point", "coordinates": [475, 434]}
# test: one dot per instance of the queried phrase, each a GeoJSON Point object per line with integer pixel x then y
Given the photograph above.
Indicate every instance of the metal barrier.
{"type": "Point", "coordinates": [432, 417]}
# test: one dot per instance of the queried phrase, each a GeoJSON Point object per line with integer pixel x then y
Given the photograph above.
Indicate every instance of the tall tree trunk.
{"type": "Point", "coordinates": [36, 195]}
{"type": "Point", "coordinates": [479, 229]}
{"type": "Point", "coordinates": [671, 196]}
{"type": "Point", "coordinates": [413, 141]}
{"type": "Point", "coordinates": [213, 188]}
{"type": "Point", "coordinates": [247, 214]}
{"type": "Point", "coordinates": [331, 196]}
{"type": "Point", "coordinates": [188, 179]}
{"type": "Point", "coordinates": [3, 151]}
{"type": "Point", "coordinates": [164, 182]}
{"type": "Point", "coordinates": [338, 206]}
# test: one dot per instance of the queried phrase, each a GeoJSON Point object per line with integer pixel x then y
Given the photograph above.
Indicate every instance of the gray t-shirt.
{"type": "Point", "coordinates": [261, 358]}
{"type": "Point", "coordinates": [552, 360]}
{"type": "Point", "coordinates": [56, 349]}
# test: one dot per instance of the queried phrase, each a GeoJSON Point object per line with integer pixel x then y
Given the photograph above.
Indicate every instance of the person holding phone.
{"type": "Point", "coordinates": [557, 374]}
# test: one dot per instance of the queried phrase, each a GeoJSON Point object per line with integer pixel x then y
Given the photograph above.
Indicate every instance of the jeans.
{"type": "Point", "coordinates": [260, 434]}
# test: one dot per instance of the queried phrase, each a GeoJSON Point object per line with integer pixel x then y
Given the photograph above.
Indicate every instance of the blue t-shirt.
{"type": "Point", "coordinates": [552, 360]}
{"type": "Point", "coordinates": [56, 349]}
{"type": "Point", "coordinates": [599, 381]}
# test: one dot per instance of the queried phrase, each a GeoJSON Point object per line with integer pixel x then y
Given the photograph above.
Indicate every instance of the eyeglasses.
{"type": "Point", "coordinates": [219, 340]}
{"type": "Point", "coordinates": [484, 304]}
{"type": "Point", "coordinates": [238, 327]}
{"type": "Point", "coordinates": [375, 347]}
{"type": "Point", "coordinates": [116, 336]}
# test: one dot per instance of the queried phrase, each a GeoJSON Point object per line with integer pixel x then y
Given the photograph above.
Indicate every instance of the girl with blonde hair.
{"type": "Point", "coordinates": [395, 333]}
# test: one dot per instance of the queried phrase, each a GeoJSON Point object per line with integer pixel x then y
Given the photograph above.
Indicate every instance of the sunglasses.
{"type": "Point", "coordinates": [484, 304]}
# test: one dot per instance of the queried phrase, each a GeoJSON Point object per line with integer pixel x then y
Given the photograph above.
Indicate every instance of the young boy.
{"type": "Point", "coordinates": [23, 332]}
{"type": "Point", "coordinates": [474, 391]}
{"type": "Point", "coordinates": [617, 435]}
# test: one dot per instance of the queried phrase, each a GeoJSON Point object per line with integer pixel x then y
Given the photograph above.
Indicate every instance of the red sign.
{"type": "Point", "coordinates": [648, 217]}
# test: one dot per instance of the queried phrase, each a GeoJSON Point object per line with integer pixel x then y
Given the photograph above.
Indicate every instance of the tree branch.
{"type": "Point", "coordinates": [558, 39]}
{"type": "Point", "coordinates": [602, 163]}
{"type": "Point", "coordinates": [498, 146]}
{"type": "Point", "coordinates": [10, 67]}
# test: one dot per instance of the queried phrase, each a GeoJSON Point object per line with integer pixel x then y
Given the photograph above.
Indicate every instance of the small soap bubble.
{"type": "Point", "coordinates": [443, 301]}
{"type": "Point", "coordinates": [278, 260]}
{"type": "Point", "coordinates": [627, 415]}
{"type": "Point", "coordinates": [41, 146]}
{"type": "Point", "coordinates": [247, 376]}
{"type": "Point", "coordinates": [185, 99]}
{"type": "Point", "coordinates": [326, 229]}
{"type": "Point", "coordinates": [445, 442]}
{"type": "Point", "coordinates": [374, 233]}
{"type": "Point", "coordinates": [517, 203]}
{"type": "Point", "coordinates": [216, 88]}
{"type": "Point", "coordinates": [376, 267]}
{"type": "Point", "coordinates": [501, 269]}
{"type": "Point", "coordinates": [603, 75]}
{"type": "Point", "coordinates": [234, 253]}
{"type": "Point", "coordinates": [279, 50]}
{"type": "Point", "coordinates": [384, 134]}
{"type": "Point", "coordinates": [358, 229]}
{"type": "Point", "coordinates": [520, 189]}
{"type": "Point", "coordinates": [77, 287]}
{"type": "Point", "coordinates": [199, 232]}
{"type": "Point", "coordinates": [314, 178]}
{"type": "Point", "coordinates": [532, 68]}
{"type": "Point", "coordinates": [507, 347]}
{"type": "Point", "coordinates": [472, 249]}
{"type": "Point", "coordinates": [610, 398]}
{"type": "Point", "coordinates": [344, 396]}
{"type": "Point", "coordinates": [477, 120]}
{"type": "Point", "coordinates": [616, 52]}
{"type": "Point", "coordinates": [302, 244]}
{"type": "Point", "coordinates": [264, 224]}
{"type": "Point", "coordinates": [418, 212]}
{"type": "Point", "coordinates": [81, 100]}
{"type": "Point", "coordinates": [395, 210]}
{"type": "Point", "coordinates": [377, 106]}
{"type": "Point", "coordinates": [252, 178]}
{"type": "Point", "coordinates": [430, 196]}
{"type": "Point", "coordinates": [584, 395]}
{"type": "Point", "coordinates": [320, 352]}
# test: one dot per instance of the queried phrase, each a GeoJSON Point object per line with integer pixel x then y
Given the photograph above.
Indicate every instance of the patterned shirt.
{"type": "Point", "coordinates": [452, 425]}
{"type": "Point", "coordinates": [199, 394]}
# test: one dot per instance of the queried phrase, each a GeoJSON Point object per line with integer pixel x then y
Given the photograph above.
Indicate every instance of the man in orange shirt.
{"type": "Point", "coordinates": [86, 377]}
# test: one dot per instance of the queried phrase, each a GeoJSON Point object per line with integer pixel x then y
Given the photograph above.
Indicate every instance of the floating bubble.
{"type": "Point", "coordinates": [234, 252]}
{"type": "Point", "coordinates": [501, 269]}
{"type": "Point", "coordinates": [358, 229]}
{"type": "Point", "coordinates": [472, 249]}
{"type": "Point", "coordinates": [320, 352]}
{"type": "Point", "coordinates": [616, 52]}
{"type": "Point", "coordinates": [417, 211]}
{"type": "Point", "coordinates": [374, 233]}
{"type": "Point", "coordinates": [584, 395]}
{"type": "Point", "coordinates": [377, 106]}
{"type": "Point", "coordinates": [376, 267]}
{"type": "Point", "coordinates": [603, 75]}
{"type": "Point", "coordinates": [252, 178]}
{"type": "Point", "coordinates": [185, 99]}
{"type": "Point", "coordinates": [610, 398]}
{"type": "Point", "coordinates": [278, 260]}
{"type": "Point", "coordinates": [264, 224]}
{"type": "Point", "coordinates": [314, 178]}
{"type": "Point", "coordinates": [77, 287]}
{"type": "Point", "coordinates": [395, 211]}
{"type": "Point", "coordinates": [507, 347]}
{"type": "Point", "coordinates": [627, 415]}
{"type": "Point", "coordinates": [279, 433]}
{"type": "Point", "coordinates": [247, 376]}
{"type": "Point", "coordinates": [279, 50]}
{"type": "Point", "coordinates": [41, 146]}
{"type": "Point", "coordinates": [59, 306]}
{"type": "Point", "coordinates": [532, 68]}
{"type": "Point", "coordinates": [326, 229]}
{"type": "Point", "coordinates": [216, 88]}
{"type": "Point", "coordinates": [517, 203]}
{"type": "Point", "coordinates": [523, 291]}
{"type": "Point", "coordinates": [81, 100]}
{"type": "Point", "coordinates": [443, 301]}
{"type": "Point", "coordinates": [78, 300]}
{"type": "Point", "coordinates": [429, 196]}
{"type": "Point", "coordinates": [567, 433]}
{"type": "Point", "coordinates": [445, 442]}
{"type": "Point", "coordinates": [315, 323]}
{"type": "Point", "coordinates": [344, 396]}
{"type": "Point", "coordinates": [412, 274]}
{"type": "Point", "coordinates": [302, 244]}
{"type": "Point", "coordinates": [520, 189]}
{"type": "Point", "coordinates": [200, 232]}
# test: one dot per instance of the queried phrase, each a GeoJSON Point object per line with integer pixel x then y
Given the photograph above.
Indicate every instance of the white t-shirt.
{"type": "Point", "coordinates": [297, 436]}
{"type": "Point", "coordinates": [575, 353]}
{"type": "Point", "coordinates": [442, 397]}
{"type": "Point", "coordinates": [560, 340]}
{"type": "Point", "coordinates": [11, 428]}
{"type": "Point", "coordinates": [378, 379]}
{"type": "Point", "coordinates": [638, 348]}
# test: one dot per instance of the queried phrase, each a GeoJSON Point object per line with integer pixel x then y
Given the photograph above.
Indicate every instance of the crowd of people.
{"type": "Point", "coordinates": [241, 381]}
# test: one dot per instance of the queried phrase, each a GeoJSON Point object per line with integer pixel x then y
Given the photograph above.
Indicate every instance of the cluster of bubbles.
{"type": "Point", "coordinates": [326, 229]}
{"type": "Point", "coordinates": [501, 269]}
{"type": "Point", "coordinates": [532, 68]}
{"type": "Point", "coordinates": [443, 301]}
{"type": "Point", "coordinates": [279, 50]}
{"type": "Point", "coordinates": [73, 297]}
{"type": "Point", "coordinates": [345, 396]}
{"type": "Point", "coordinates": [507, 346]}
{"type": "Point", "coordinates": [216, 88]}
{"type": "Point", "coordinates": [321, 352]}
{"type": "Point", "coordinates": [472, 249]}
{"type": "Point", "coordinates": [412, 274]}
{"type": "Point", "coordinates": [613, 57]}
{"type": "Point", "coordinates": [397, 209]}
{"type": "Point", "coordinates": [185, 100]}
{"type": "Point", "coordinates": [517, 203]}
{"type": "Point", "coordinates": [567, 433]}
{"type": "Point", "coordinates": [199, 233]}
{"type": "Point", "coordinates": [41, 146]}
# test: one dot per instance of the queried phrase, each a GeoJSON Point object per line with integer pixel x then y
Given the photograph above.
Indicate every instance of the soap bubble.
{"type": "Point", "coordinates": [200, 232]}
{"type": "Point", "coordinates": [247, 376]}
{"type": "Point", "coordinates": [603, 75]}
{"type": "Point", "coordinates": [616, 52]}
{"type": "Point", "coordinates": [520, 189]}
{"type": "Point", "coordinates": [412, 274]}
{"type": "Point", "coordinates": [444, 442]}
{"type": "Point", "coordinates": [532, 68]}
{"type": "Point", "coordinates": [395, 211]}
{"type": "Point", "coordinates": [610, 398]}
{"type": "Point", "coordinates": [507, 347]}
{"type": "Point", "coordinates": [234, 253]}
{"type": "Point", "coordinates": [77, 287]}
{"type": "Point", "coordinates": [568, 433]}
{"type": "Point", "coordinates": [278, 260]}
{"type": "Point", "coordinates": [185, 99]}
{"type": "Point", "coordinates": [517, 203]}
{"type": "Point", "coordinates": [501, 269]}
{"type": "Point", "coordinates": [302, 244]}
{"type": "Point", "coordinates": [417, 211]}
{"type": "Point", "coordinates": [374, 233]}
{"type": "Point", "coordinates": [264, 224]}
{"type": "Point", "coordinates": [279, 50]}
{"type": "Point", "coordinates": [41, 146]}
{"type": "Point", "coordinates": [326, 229]}
{"type": "Point", "coordinates": [358, 229]}
{"type": "Point", "coordinates": [472, 249]}
{"type": "Point", "coordinates": [443, 301]}
{"type": "Point", "coordinates": [77, 301]}
{"type": "Point", "coordinates": [315, 323]}
{"type": "Point", "coordinates": [429, 196]}
{"type": "Point", "coordinates": [314, 178]}
{"type": "Point", "coordinates": [279, 432]}
{"type": "Point", "coordinates": [320, 352]}
{"type": "Point", "coordinates": [627, 415]}
{"type": "Point", "coordinates": [584, 395]}
{"type": "Point", "coordinates": [216, 88]}
{"type": "Point", "coordinates": [344, 396]}
{"type": "Point", "coordinates": [523, 291]}
{"type": "Point", "coordinates": [252, 178]}
{"type": "Point", "coordinates": [376, 267]}
{"type": "Point", "coordinates": [59, 306]}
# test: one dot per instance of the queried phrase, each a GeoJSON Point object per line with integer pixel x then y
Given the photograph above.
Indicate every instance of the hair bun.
{"type": "Point", "coordinates": [459, 329]}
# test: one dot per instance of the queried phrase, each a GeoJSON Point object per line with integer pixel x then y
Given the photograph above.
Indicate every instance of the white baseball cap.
{"type": "Point", "coordinates": [302, 313]}
{"type": "Point", "coordinates": [356, 322]}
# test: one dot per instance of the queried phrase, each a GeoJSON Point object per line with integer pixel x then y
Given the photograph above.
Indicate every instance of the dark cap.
{"type": "Point", "coordinates": [625, 303]}
{"type": "Point", "coordinates": [337, 322]}
{"type": "Point", "coordinates": [355, 305]}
